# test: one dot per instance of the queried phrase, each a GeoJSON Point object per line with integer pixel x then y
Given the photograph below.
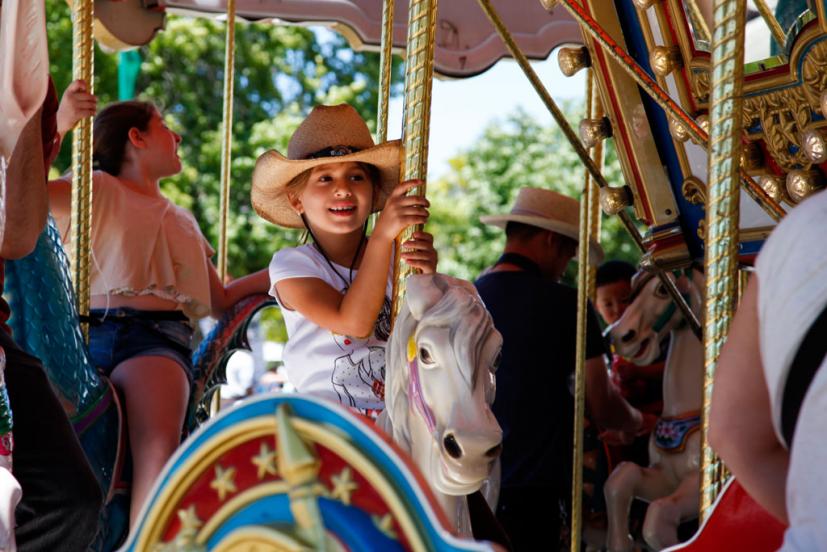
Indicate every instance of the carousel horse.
{"type": "Point", "coordinates": [671, 482]}
{"type": "Point", "coordinates": [439, 386]}
{"type": "Point", "coordinates": [45, 323]}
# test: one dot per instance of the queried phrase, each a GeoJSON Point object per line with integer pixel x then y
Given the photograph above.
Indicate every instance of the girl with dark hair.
{"type": "Point", "coordinates": [151, 276]}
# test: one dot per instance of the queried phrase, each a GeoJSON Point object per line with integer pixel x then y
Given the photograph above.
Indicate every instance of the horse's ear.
{"type": "Point", "coordinates": [423, 291]}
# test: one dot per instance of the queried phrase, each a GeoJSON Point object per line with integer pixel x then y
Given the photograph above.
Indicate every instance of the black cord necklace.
{"type": "Point", "coordinates": [362, 240]}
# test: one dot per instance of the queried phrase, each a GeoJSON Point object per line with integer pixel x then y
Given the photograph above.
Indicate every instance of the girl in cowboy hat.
{"type": "Point", "coordinates": [334, 293]}
{"type": "Point", "coordinates": [151, 277]}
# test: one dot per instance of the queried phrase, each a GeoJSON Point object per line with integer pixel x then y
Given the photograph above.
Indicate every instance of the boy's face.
{"type": "Point", "coordinates": [612, 300]}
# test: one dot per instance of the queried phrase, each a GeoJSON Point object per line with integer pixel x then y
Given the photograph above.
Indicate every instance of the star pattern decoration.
{"type": "Point", "coordinates": [189, 525]}
{"type": "Point", "coordinates": [265, 461]}
{"type": "Point", "coordinates": [224, 482]}
{"type": "Point", "coordinates": [343, 486]}
{"type": "Point", "coordinates": [385, 524]}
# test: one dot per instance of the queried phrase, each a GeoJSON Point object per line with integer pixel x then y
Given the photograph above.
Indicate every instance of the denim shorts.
{"type": "Point", "coordinates": [126, 333]}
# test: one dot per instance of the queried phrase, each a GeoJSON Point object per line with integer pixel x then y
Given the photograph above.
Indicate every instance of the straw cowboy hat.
{"type": "Point", "coordinates": [330, 134]}
{"type": "Point", "coordinates": [550, 211]}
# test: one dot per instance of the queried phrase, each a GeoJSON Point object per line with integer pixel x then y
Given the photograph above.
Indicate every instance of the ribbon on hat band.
{"type": "Point", "coordinates": [333, 151]}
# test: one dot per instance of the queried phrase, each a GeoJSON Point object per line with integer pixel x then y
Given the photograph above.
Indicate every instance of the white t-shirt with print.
{"type": "Point", "coordinates": [341, 368]}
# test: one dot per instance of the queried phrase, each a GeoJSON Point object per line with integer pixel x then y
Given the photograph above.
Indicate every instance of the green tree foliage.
{"type": "Point", "coordinates": [513, 152]}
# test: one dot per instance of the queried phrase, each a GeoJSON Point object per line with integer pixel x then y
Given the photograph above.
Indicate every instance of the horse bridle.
{"type": "Point", "coordinates": [666, 315]}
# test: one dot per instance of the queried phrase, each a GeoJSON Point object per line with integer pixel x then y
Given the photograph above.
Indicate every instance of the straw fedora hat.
{"type": "Point", "coordinates": [330, 134]}
{"type": "Point", "coordinates": [550, 211]}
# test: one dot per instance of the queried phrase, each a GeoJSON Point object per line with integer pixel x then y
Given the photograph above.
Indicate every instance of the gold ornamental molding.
{"type": "Point", "coordinates": [786, 113]}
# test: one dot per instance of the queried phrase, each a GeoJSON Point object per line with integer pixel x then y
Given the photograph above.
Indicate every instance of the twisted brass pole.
{"type": "Point", "coordinates": [778, 33]}
{"type": "Point", "coordinates": [664, 100]}
{"type": "Point", "coordinates": [385, 71]}
{"type": "Point", "coordinates": [419, 70]}
{"type": "Point", "coordinates": [721, 210]}
{"type": "Point", "coordinates": [226, 138]}
{"type": "Point", "coordinates": [83, 51]}
{"type": "Point", "coordinates": [595, 216]}
{"type": "Point", "coordinates": [587, 161]}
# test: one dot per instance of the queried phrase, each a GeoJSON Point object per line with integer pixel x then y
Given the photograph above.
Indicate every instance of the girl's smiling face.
{"type": "Point", "coordinates": [337, 197]}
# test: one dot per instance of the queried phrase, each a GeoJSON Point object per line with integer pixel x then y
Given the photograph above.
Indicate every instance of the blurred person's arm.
{"type": "Point", "coordinates": [740, 420]}
{"type": "Point", "coordinates": [27, 202]}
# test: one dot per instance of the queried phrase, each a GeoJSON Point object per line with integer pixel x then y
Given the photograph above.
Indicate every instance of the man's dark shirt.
{"type": "Point", "coordinates": [534, 406]}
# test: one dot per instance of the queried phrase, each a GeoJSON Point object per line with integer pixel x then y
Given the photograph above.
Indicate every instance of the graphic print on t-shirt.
{"type": "Point", "coordinates": [358, 381]}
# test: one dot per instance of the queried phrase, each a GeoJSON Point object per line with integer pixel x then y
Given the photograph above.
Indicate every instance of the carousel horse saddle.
{"type": "Point", "coordinates": [671, 433]}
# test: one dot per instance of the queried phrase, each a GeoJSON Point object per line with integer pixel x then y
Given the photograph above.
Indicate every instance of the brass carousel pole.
{"type": "Point", "coordinates": [226, 137]}
{"type": "Point", "coordinates": [585, 288]}
{"type": "Point", "coordinates": [83, 67]}
{"type": "Point", "coordinates": [385, 70]}
{"type": "Point", "coordinates": [226, 158]}
{"type": "Point", "coordinates": [778, 33]}
{"type": "Point", "coordinates": [721, 262]}
{"type": "Point", "coordinates": [587, 161]}
{"type": "Point", "coordinates": [596, 112]}
{"type": "Point", "coordinates": [419, 70]}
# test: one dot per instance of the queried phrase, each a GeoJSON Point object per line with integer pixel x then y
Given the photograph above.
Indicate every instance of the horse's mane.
{"type": "Point", "coordinates": [433, 300]}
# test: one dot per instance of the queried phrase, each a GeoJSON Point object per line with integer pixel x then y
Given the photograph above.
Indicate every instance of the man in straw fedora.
{"type": "Point", "coordinates": [536, 315]}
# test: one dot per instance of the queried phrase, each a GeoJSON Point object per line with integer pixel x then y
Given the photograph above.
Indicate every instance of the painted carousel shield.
{"type": "Point", "coordinates": [284, 472]}
{"type": "Point", "coordinates": [466, 42]}
{"type": "Point", "coordinates": [784, 148]}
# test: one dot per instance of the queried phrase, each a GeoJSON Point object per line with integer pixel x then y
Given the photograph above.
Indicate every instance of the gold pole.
{"type": "Point", "coordinates": [769, 18]}
{"type": "Point", "coordinates": [698, 20]}
{"type": "Point", "coordinates": [419, 70]}
{"type": "Point", "coordinates": [585, 288]}
{"type": "Point", "coordinates": [83, 67]}
{"type": "Point", "coordinates": [596, 112]}
{"type": "Point", "coordinates": [570, 135]}
{"type": "Point", "coordinates": [226, 160]}
{"type": "Point", "coordinates": [385, 70]}
{"type": "Point", "coordinates": [227, 138]}
{"type": "Point", "coordinates": [721, 210]}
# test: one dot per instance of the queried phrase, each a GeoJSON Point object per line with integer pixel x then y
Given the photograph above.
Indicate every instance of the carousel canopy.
{"type": "Point", "coordinates": [466, 42]}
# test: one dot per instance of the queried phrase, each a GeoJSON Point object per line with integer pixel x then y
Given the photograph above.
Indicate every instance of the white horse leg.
{"type": "Point", "coordinates": [626, 482]}
{"type": "Point", "coordinates": [660, 528]}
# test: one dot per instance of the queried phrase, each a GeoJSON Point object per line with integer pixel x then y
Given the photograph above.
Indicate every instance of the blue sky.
{"type": "Point", "coordinates": [461, 109]}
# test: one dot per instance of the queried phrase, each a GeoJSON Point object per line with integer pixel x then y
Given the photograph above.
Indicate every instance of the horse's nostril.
{"type": "Point", "coordinates": [452, 447]}
{"type": "Point", "coordinates": [628, 336]}
{"type": "Point", "coordinates": [494, 452]}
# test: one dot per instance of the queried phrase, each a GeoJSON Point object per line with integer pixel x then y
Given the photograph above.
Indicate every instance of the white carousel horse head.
{"type": "Point", "coordinates": [439, 383]}
{"type": "Point", "coordinates": [652, 315]}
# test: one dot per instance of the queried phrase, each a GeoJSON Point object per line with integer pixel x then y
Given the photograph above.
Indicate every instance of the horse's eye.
{"type": "Point", "coordinates": [661, 292]}
{"type": "Point", "coordinates": [425, 356]}
{"type": "Point", "coordinates": [497, 360]}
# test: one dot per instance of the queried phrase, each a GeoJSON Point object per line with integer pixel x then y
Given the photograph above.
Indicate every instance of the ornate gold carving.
{"type": "Point", "coordinates": [593, 131]}
{"type": "Point", "coordinates": [677, 130]}
{"type": "Point", "coordinates": [645, 4]}
{"type": "Point", "coordinates": [752, 158]}
{"type": "Point", "coordinates": [614, 200]}
{"type": "Point", "coordinates": [548, 5]}
{"type": "Point", "coordinates": [823, 102]}
{"type": "Point", "coordinates": [224, 481]}
{"type": "Point", "coordinates": [665, 59]}
{"type": "Point", "coordinates": [700, 84]}
{"type": "Point", "coordinates": [775, 187]}
{"type": "Point", "coordinates": [702, 229]}
{"type": "Point", "coordinates": [184, 540]}
{"type": "Point", "coordinates": [801, 183]}
{"type": "Point", "coordinates": [343, 486]}
{"type": "Point", "coordinates": [703, 121]}
{"type": "Point", "coordinates": [814, 146]}
{"type": "Point", "coordinates": [785, 113]}
{"type": "Point", "coordinates": [265, 461]}
{"type": "Point", "coordinates": [694, 191]}
{"type": "Point", "coordinates": [571, 60]}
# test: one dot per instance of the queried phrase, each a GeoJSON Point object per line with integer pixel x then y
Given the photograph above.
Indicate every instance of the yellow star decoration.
{"type": "Point", "coordinates": [265, 461]}
{"type": "Point", "coordinates": [343, 486]}
{"type": "Point", "coordinates": [223, 482]}
{"type": "Point", "coordinates": [385, 524]}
